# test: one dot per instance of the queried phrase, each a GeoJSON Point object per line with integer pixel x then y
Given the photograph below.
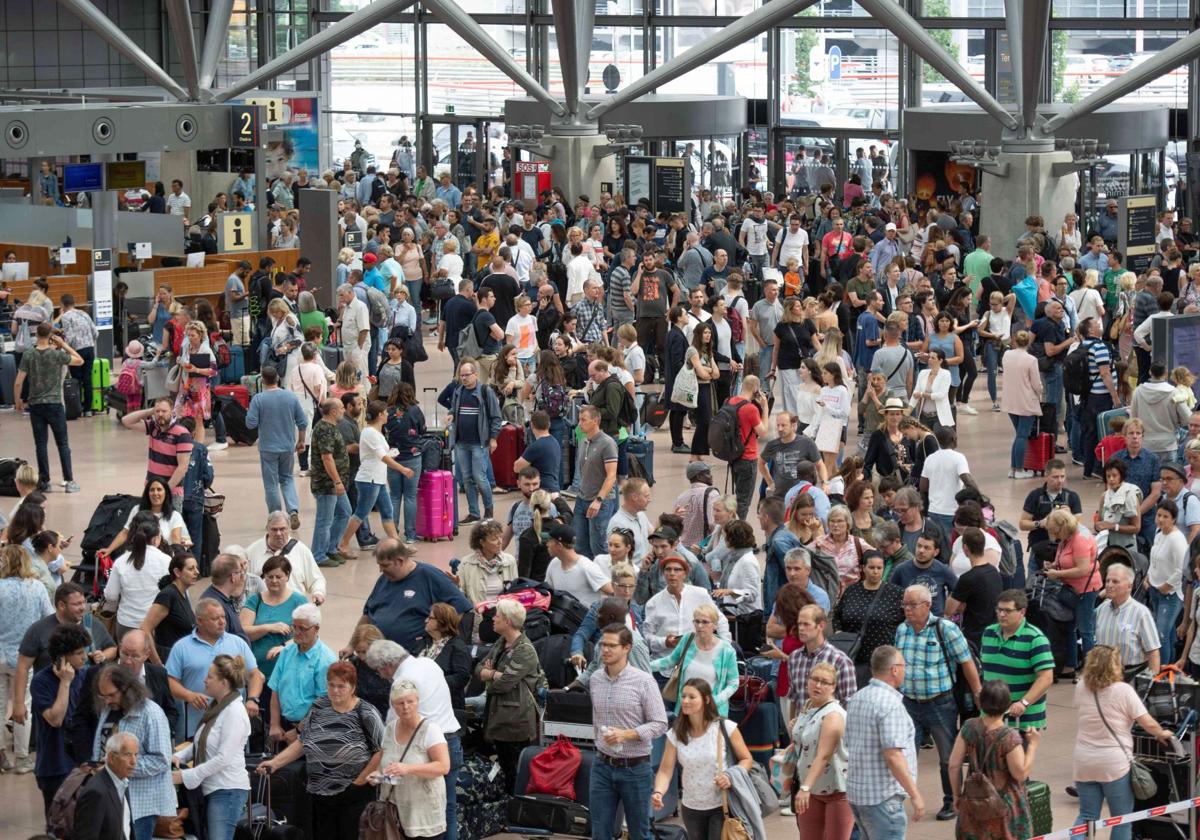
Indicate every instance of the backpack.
{"type": "Point", "coordinates": [555, 399]}
{"type": "Point", "coordinates": [377, 303]}
{"type": "Point", "coordinates": [1010, 547]}
{"type": "Point", "coordinates": [1076, 376]}
{"type": "Point", "coordinates": [980, 801]}
{"type": "Point", "coordinates": [724, 435]}
{"type": "Point", "coordinates": [468, 341]}
{"type": "Point", "coordinates": [61, 818]}
{"type": "Point", "coordinates": [737, 327]}
{"type": "Point", "coordinates": [627, 415]}
{"type": "Point", "coordinates": [128, 381]}
{"type": "Point", "coordinates": [220, 348]}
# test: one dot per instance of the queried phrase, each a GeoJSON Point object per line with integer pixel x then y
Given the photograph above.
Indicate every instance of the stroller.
{"type": "Point", "coordinates": [1138, 562]}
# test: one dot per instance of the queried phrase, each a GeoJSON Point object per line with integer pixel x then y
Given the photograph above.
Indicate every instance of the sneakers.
{"type": "Point", "coordinates": [218, 446]}
{"type": "Point", "coordinates": [682, 450]}
{"type": "Point", "coordinates": [469, 519]}
{"type": "Point", "coordinates": [963, 408]}
{"type": "Point", "coordinates": [304, 473]}
{"type": "Point", "coordinates": [24, 766]}
{"type": "Point", "coordinates": [70, 487]}
{"type": "Point", "coordinates": [331, 562]}
{"type": "Point", "coordinates": [995, 406]}
{"type": "Point", "coordinates": [294, 520]}
{"type": "Point", "coordinates": [1021, 474]}
{"type": "Point", "coordinates": [947, 813]}
{"type": "Point", "coordinates": [45, 487]}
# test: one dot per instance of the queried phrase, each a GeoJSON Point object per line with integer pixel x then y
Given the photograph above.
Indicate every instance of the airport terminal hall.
{"type": "Point", "coordinates": [610, 419]}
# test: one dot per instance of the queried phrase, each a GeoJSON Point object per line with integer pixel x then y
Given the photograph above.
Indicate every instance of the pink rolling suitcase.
{"type": "Point", "coordinates": [436, 505]}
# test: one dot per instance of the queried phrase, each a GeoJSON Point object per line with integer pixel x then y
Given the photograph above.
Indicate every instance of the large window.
{"type": "Point", "coordinates": [839, 78]}
{"type": "Point", "coordinates": [1084, 61]}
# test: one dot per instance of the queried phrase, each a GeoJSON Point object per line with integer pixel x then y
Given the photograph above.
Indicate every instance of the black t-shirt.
{"type": "Point", "coordinates": [978, 589]}
{"type": "Point", "coordinates": [179, 621]}
{"type": "Point", "coordinates": [992, 283]}
{"type": "Point", "coordinates": [483, 322]}
{"type": "Point", "coordinates": [533, 236]}
{"type": "Point", "coordinates": [795, 342]}
{"type": "Point", "coordinates": [506, 289]}
{"type": "Point", "coordinates": [36, 642]}
{"type": "Point", "coordinates": [1039, 504]}
{"type": "Point", "coordinates": [457, 312]}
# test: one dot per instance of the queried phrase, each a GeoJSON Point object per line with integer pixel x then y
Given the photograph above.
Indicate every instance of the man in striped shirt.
{"type": "Point", "coordinates": [1127, 625]}
{"type": "Point", "coordinates": [1015, 651]}
{"type": "Point", "coordinates": [1102, 390]}
{"type": "Point", "coordinates": [170, 443]}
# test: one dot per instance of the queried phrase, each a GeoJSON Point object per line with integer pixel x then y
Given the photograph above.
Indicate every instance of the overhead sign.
{"type": "Point", "coordinates": [273, 106]}
{"type": "Point", "coordinates": [835, 63]}
{"type": "Point", "coordinates": [102, 306]}
{"type": "Point", "coordinates": [244, 128]}
{"type": "Point", "coordinates": [1137, 225]}
{"type": "Point", "coordinates": [670, 185]}
{"type": "Point", "coordinates": [235, 233]}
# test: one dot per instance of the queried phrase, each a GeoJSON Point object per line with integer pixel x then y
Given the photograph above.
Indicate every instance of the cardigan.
{"type": "Point", "coordinates": [725, 664]}
{"type": "Point", "coordinates": [1022, 391]}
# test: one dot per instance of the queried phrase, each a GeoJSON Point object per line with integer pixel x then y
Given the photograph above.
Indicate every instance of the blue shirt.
{"type": "Point", "coordinates": [1098, 354]}
{"type": "Point", "coordinates": [452, 195]}
{"type": "Point", "coordinates": [868, 330]}
{"type": "Point", "coordinates": [938, 579]}
{"type": "Point", "coordinates": [925, 654]}
{"type": "Point", "coordinates": [51, 757]}
{"type": "Point", "coordinates": [1142, 471]}
{"type": "Point", "coordinates": [22, 602]}
{"type": "Point", "coordinates": [545, 453]}
{"type": "Point", "coordinates": [190, 659]}
{"type": "Point", "coordinates": [299, 678]}
{"type": "Point", "coordinates": [1099, 262]}
{"type": "Point", "coordinates": [267, 614]}
{"type": "Point", "coordinates": [821, 503]}
{"type": "Point", "coordinates": [399, 608]}
{"type": "Point", "coordinates": [374, 279]}
{"type": "Point", "coordinates": [160, 321]}
{"type": "Point", "coordinates": [819, 595]}
{"type": "Point", "coordinates": [775, 574]}
{"type": "Point", "coordinates": [276, 413]}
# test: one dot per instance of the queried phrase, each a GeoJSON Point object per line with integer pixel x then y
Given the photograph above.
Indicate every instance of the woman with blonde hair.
{"type": "Point", "coordinates": [832, 351]}
{"type": "Point", "coordinates": [371, 687]}
{"type": "Point", "coordinates": [1088, 301]}
{"type": "Point", "coordinates": [1106, 708]}
{"type": "Point", "coordinates": [23, 600]}
{"type": "Point", "coordinates": [286, 337]}
{"type": "Point", "coordinates": [345, 261]}
{"type": "Point", "coordinates": [814, 769]}
{"type": "Point", "coordinates": [196, 365]}
{"type": "Point", "coordinates": [415, 760]}
{"type": "Point", "coordinates": [846, 549]}
{"type": "Point", "coordinates": [1075, 564]}
{"type": "Point", "coordinates": [704, 655]}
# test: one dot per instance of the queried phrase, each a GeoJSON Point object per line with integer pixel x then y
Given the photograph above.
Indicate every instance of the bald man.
{"type": "Point", "coordinates": [133, 652]}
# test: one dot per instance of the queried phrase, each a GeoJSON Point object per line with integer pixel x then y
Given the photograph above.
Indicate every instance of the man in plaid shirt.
{"type": "Point", "coordinates": [928, 644]}
{"type": "Point", "coordinates": [810, 629]}
{"type": "Point", "coordinates": [589, 313]}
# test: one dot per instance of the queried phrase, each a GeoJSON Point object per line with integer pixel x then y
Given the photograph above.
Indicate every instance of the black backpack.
{"type": "Point", "coordinates": [1076, 375]}
{"type": "Point", "coordinates": [724, 437]}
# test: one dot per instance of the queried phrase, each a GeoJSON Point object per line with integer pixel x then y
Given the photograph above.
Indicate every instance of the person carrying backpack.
{"type": "Point", "coordinates": [991, 801]}
{"type": "Point", "coordinates": [733, 437]}
{"type": "Point", "coordinates": [1101, 392]}
{"type": "Point", "coordinates": [616, 406]}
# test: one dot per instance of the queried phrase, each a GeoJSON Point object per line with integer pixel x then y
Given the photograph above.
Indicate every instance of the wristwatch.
{"type": "Point", "coordinates": [1025, 703]}
{"type": "Point", "coordinates": [255, 700]}
{"type": "Point", "coordinates": [806, 788]}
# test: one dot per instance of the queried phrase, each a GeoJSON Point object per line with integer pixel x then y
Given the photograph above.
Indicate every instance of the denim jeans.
{"type": "Point", "coordinates": [945, 520]}
{"type": "Point", "coordinates": [474, 460]}
{"type": "Point", "coordinates": [143, 827]}
{"type": "Point", "coordinates": [414, 297]}
{"type": "Point", "coordinates": [1022, 426]}
{"type": "Point", "coordinates": [372, 496]}
{"type": "Point", "coordinates": [193, 520]}
{"type": "Point", "coordinates": [403, 492]}
{"type": "Point", "coordinates": [218, 424]}
{"type": "Point", "coordinates": [454, 745]}
{"type": "Point", "coordinates": [83, 375]}
{"type": "Point", "coordinates": [46, 418]}
{"type": "Point", "coordinates": [940, 719]}
{"type": "Point", "coordinates": [885, 821]}
{"type": "Point", "coordinates": [560, 432]}
{"type": "Point", "coordinates": [1118, 794]}
{"type": "Point", "coordinates": [765, 356]}
{"type": "Point", "coordinates": [1084, 624]}
{"type": "Point", "coordinates": [627, 786]}
{"type": "Point", "coordinates": [223, 810]}
{"type": "Point", "coordinates": [277, 476]}
{"type": "Point", "coordinates": [333, 512]}
{"type": "Point", "coordinates": [1166, 610]}
{"type": "Point", "coordinates": [1052, 388]}
{"type": "Point", "coordinates": [591, 535]}
{"type": "Point", "coordinates": [991, 360]}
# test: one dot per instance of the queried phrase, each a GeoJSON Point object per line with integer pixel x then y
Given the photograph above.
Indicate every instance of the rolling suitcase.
{"type": "Point", "coordinates": [509, 446]}
{"type": "Point", "coordinates": [566, 613]}
{"type": "Point", "coordinates": [233, 372]}
{"type": "Point", "coordinates": [435, 505]}
{"type": "Point", "coordinates": [235, 421]}
{"type": "Point", "coordinates": [118, 402]}
{"type": "Point", "coordinates": [332, 355]}
{"type": "Point", "coordinates": [8, 378]}
{"type": "Point", "coordinates": [654, 411]}
{"type": "Point", "coordinates": [482, 798]}
{"type": "Point", "coordinates": [101, 382]}
{"type": "Point", "coordinates": [1103, 419]}
{"type": "Point", "coordinates": [1038, 450]}
{"type": "Point", "coordinates": [72, 401]}
{"type": "Point", "coordinates": [237, 392]}
{"type": "Point", "coordinates": [640, 451]}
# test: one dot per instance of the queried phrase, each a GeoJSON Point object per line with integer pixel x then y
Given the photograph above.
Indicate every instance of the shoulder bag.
{"type": "Point", "coordinates": [380, 820]}
{"type": "Point", "coordinates": [850, 643]}
{"type": "Point", "coordinates": [768, 798]}
{"type": "Point", "coordinates": [732, 828]}
{"type": "Point", "coordinates": [1144, 786]}
{"type": "Point", "coordinates": [686, 390]}
{"type": "Point", "coordinates": [670, 691]}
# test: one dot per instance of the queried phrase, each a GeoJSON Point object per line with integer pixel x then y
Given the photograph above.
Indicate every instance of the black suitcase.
{"type": "Point", "coordinates": [537, 625]}
{"type": "Point", "coordinates": [72, 401]}
{"type": "Point", "coordinates": [286, 796]}
{"type": "Point", "coordinates": [118, 402]}
{"type": "Point", "coordinates": [548, 813]}
{"type": "Point", "coordinates": [566, 613]}
{"type": "Point", "coordinates": [235, 421]}
{"type": "Point", "coordinates": [8, 475]}
{"type": "Point", "coordinates": [8, 378]}
{"type": "Point", "coordinates": [568, 707]}
{"type": "Point", "coordinates": [211, 545]}
{"type": "Point", "coordinates": [554, 654]}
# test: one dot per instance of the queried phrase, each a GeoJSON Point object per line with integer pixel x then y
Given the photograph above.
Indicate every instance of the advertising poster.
{"type": "Point", "coordinates": [300, 146]}
{"type": "Point", "coordinates": [934, 175]}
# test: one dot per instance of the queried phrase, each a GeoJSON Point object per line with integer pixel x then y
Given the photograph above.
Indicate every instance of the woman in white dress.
{"type": "Point", "coordinates": [833, 410]}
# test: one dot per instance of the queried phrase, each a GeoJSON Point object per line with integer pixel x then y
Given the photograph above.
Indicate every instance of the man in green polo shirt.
{"type": "Point", "coordinates": [1015, 651]}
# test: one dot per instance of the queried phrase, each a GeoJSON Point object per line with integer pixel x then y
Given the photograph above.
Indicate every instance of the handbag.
{"type": "Point", "coordinates": [173, 376]}
{"type": "Point", "coordinates": [552, 771]}
{"type": "Point", "coordinates": [732, 828]}
{"type": "Point", "coordinates": [1038, 795]}
{"type": "Point", "coordinates": [686, 390]}
{"type": "Point", "coordinates": [1142, 780]}
{"type": "Point", "coordinates": [850, 643]}
{"type": "Point", "coordinates": [768, 797]}
{"type": "Point", "coordinates": [380, 820]}
{"type": "Point", "coordinates": [670, 691]}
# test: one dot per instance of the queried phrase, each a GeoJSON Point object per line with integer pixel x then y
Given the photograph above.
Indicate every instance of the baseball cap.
{"type": "Point", "coordinates": [565, 534]}
{"type": "Point", "coordinates": [665, 532]}
{"type": "Point", "coordinates": [696, 469]}
{"type": "Point", "coordinates": [370, 259]}
{"type": "Point", "coordinates": [890, 226]}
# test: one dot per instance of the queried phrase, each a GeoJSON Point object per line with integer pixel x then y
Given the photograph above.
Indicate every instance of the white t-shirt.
{"type": "Point", "coordinates": [742, 307]}
{"type": "Point", "coordinates": [178, 205]}
{"type": "Point", "coordinates": [434, 694]}
{"type": "Point", "coordinates": [793, 245]}
{"type": "Point", "coordinates": [693, 322]}
{"type": "Point", "coordinates": [756, 237]}
{"type": "Point", "coordinates": [635, 359]}
{"type": "Point", "coordinates": [584, 580]}
{"type": "Point", "coordinates": [943, 469]}
{"type": "Point", "coordinates": [960, 563]}
{"type": "Point", "coordinates": [579, 269]}
{"type": "Point", "coordinates": [134, 589]}
{"type": "Point", "coordinates": [165, 524]}
{"type": "Point", "coordinates": [698, 758]}
{"type": "Point", "coordinates": [372, 446]}
{"type": "Point", "coordinates": [522, 330]}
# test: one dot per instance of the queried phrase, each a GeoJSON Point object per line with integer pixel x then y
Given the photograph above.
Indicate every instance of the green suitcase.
{"type": "Point", "coordinates": [101, 381]}
{"type": "Point", "coordinates": [1038, 794]}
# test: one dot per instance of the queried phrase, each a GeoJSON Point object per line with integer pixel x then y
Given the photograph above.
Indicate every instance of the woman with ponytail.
{"type": "Point", "coordinates": [217, 753]}
{"type": "Point", "coordinates": [171, 617]}
{"type": "Point", "coordinates": [133, 581]}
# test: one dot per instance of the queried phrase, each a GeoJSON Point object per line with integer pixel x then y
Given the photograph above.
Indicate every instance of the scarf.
{"type": "Point", "coordinates": [210, 715]}
{"type": "Point", "coordinates": [489, 566]}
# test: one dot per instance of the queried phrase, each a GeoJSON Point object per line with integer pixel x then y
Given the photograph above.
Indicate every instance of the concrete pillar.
{"type": "Point", "coordinates": [1029, 189]}
{"type": "Point", "coordinates": [574, 166]}
{"type": "Point", "coordinates": [318, 209]}
{"type": "Point", "coordinates": [104, 235]}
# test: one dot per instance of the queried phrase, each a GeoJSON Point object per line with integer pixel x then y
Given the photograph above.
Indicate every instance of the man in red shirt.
{"type": "Point", "coordinates": [835, 247]}
{"type": "Point", "coordinates": [752, 411]}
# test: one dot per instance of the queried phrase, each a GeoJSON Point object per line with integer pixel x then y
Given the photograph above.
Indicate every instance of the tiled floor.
{"type": "Point", "coordinates": [110, 459]}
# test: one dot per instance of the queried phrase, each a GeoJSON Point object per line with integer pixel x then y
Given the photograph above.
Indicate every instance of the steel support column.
{"type": "Point", "coordinates": [179, 13]}
{"type": "Point", "coordinates": [748, 27]}
{"type": "Point", "coordinates": [103, 26]}
{"type": "Point", "coordinates": [461, 23]}
{"type": "Point", "coordinates": [320, 43]}
{"type": "Point", "coordinates": [1035, 40]}
{"type": "Point", "coordinates": [1179, 53]}
{"type": "Point", "coordinates": [573, 26]}
{"type": "Point", "coordinates": [216, 39]}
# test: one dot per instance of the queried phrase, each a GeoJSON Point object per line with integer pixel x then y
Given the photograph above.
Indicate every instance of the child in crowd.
{"type": "Point", "coordinates": [1113, 442]}
{"type": "Point", "coordinates": [793, 281]}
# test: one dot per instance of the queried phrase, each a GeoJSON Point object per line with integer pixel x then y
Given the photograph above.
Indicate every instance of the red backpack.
{"type": "Point", "coordinates": [737, 327]}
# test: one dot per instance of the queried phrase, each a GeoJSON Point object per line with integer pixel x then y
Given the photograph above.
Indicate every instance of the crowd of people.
{"type": "Point", "coordinates": [823, 350]}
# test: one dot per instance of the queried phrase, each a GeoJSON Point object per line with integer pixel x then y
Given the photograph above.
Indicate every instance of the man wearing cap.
{"type": "Point", "coordinates": [1106, 223]}
{"type": "Point", "coordinates": [696, 504]}
{"type": "Point", "coordinates": [569, 571]}
{"type": "Point", "coordinates": [1174, 489]}
{"type": "Point", "coordinates": [651, 580]}
{"type": "Point", "coordinates": [886, 250]}
{"type": "Point", "coordinates": [669, 613]}
{"type": "Point", "coordinates": [597, 499]}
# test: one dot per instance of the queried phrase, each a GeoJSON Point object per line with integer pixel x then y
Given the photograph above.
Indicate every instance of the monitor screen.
{"type": "Point", "coordinates": [80, 177]}
{"type": "Point", "coordinates": [10, 272]}
{"type": "Point", "coordinates": [126, 174]}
